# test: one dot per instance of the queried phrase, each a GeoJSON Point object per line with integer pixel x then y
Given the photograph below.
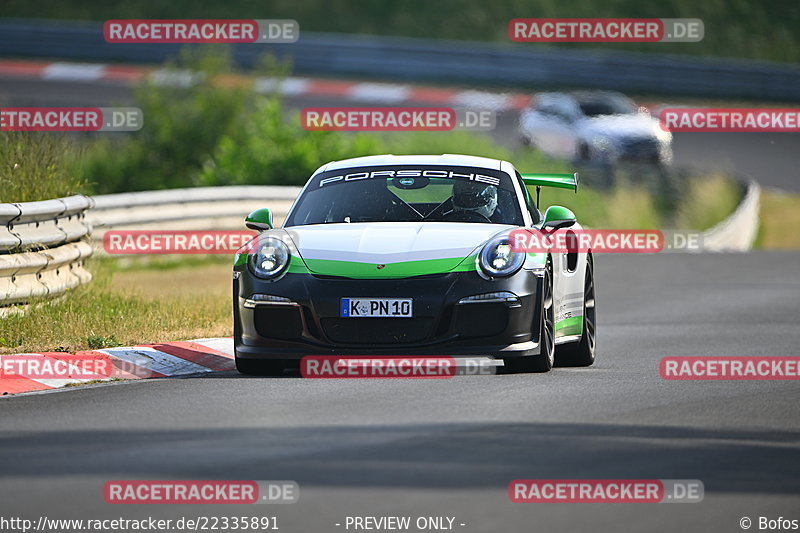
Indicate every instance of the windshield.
{"type": "Point", "coordinates": [606, 106]}
{"type": "Point", "coordinates": [408, 194]}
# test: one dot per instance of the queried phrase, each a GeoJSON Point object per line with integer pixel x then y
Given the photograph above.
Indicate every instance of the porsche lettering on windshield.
{"type": "Point", "coordinates": [411, 173]}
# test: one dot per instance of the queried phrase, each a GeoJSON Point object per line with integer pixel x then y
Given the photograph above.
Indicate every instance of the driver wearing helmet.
{"type": "Point", "coordinates": [474, 200]}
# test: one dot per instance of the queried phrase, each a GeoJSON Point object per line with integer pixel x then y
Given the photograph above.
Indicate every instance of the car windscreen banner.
{"type": "Point", "coordinates": [412, 176]}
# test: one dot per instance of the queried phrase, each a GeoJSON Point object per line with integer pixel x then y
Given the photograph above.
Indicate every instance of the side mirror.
{"type": "Point", "coordinates": [259, 220]}
{"type": "Point", "coordinates": [557, 217]}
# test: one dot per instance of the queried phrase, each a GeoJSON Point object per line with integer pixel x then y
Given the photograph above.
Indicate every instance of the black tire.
{"type": "Point", "coordinates": [257, 367]}
{"type": "Point", "coordinates": [584, 153]}
{"type": "Point", "coordinates": [544, 361]}
{"type": "Point", "coordinates": [583, 352]}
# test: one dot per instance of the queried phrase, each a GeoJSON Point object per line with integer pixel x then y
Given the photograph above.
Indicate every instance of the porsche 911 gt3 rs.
{"type": "Point", "coordinates": [411, 256]}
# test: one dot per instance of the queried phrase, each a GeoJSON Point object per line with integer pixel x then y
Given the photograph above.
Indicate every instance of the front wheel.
{"type": "Point", "coordinates": [582, 353]}
{"type": "Point", "coordinates": [544, 361]}
{"type": "Point", "coordinates": [583, 153]}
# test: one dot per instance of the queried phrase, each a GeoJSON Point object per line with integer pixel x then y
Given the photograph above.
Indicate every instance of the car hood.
{"type": "Point", "coordinates": [390, 249]}
{"type": "Point", "coordinates": [621, 126]}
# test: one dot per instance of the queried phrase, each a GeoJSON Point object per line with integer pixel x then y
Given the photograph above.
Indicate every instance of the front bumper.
{"type": "Point", "coordinates": [644, 150]}
{"type": "Point", "coordinates": [441, 325]}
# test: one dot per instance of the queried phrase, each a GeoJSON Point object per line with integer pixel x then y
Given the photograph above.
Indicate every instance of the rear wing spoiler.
{"type": "Point", "coordinates": [559, 181]}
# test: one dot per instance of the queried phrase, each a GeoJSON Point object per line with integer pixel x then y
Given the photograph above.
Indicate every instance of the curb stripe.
{"type": "Point", "coordinates": [222, 345]}
{"type": "Point", "coordinates": [198, 355]}
{"type": "Point", "coordinates": [56, 382]}
{"type": "Point", "coordinates": [61, 356]}
{"type": "Point", "coordinates": [368, 92]}
{"type": "Point", "coordinates": [22, 68]}
{"type": "Point", "coordinates": [151, 359]}
{"type": "Point", "coordinates": [378, 92]}
{"type": "Point", "coordinates": [73, 72]}
{"type": "Point", "coordinates": [136, 362]}
{"type": "Point", "coordinates": [432, 95]}
{"type": "Point", "coordinates": [127, 74]}
{"type": "Point", "coordinates": [19, 384]}
{"type": "Point", "coordinates": [124, 369]}
{"type": "Point", "coordinates": [287, 86]}
{"type": "Point", "coordinates": [328, 88]}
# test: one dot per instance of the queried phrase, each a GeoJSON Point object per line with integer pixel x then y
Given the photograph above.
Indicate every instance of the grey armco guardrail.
{"type": "Point", "coordinates": [42, 248]}
{"type": "Point", "coordinates": [518, 65]}
{"type": "Point", "coordinates": [201, 208]}
{"type": "Point", "coordinates": [220, 208]}
{"type": "Point", "coordinates": [738, 232]}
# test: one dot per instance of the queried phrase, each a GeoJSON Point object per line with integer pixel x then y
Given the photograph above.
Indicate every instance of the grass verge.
{"type": "Point", "coordinates": [125, 307]}
{"type": "Point", "coordinates": [37, 166]}
{"type": "Point", "coordinates": [780, 216]}
{"type": "Point", "coordinates": [708, 201]}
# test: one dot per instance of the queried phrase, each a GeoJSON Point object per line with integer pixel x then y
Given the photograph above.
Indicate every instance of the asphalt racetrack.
{"type": "Point", "coordinates": [450, 447]}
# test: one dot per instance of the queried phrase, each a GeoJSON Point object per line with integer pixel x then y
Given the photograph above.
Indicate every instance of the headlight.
{"type": "Point", "coordinates": [662, 135]}
{"type": "Point", "coordinates": [271, 258]}
{"type": "Point", "coordinates": [498, 259]}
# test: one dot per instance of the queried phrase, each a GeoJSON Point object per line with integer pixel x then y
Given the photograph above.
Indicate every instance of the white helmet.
{"type": "Point", "coordinates": [474, 196]}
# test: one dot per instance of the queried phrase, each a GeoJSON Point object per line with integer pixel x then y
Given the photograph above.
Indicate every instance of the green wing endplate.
{"type": "Point", "coordinates": [561, 181]}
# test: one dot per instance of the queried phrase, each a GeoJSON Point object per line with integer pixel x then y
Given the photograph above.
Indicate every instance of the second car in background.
{"type": "Point", "coordinates": [596, 127]}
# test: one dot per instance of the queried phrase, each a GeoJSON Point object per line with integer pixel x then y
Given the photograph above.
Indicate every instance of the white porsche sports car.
{"type": "Point", "coordinates": [410, 255]}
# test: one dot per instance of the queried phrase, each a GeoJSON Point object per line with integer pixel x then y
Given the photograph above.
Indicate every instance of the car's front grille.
{"type": "Point", "coordinates": [640, 147]}
{"type": "Point", "coordinates": [278, 322]}
{"type": "Point", "coordinates": [481, 319]}
{"type": "Point", "coordinates": [377, 330]}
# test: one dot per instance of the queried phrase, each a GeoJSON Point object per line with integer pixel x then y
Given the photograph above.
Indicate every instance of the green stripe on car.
{"type": "Point", "coordinates": [570, 326]}
{"type": "Point", "coordinates": [404, 269]}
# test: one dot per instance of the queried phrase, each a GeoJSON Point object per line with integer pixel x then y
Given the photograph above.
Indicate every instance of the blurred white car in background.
{"type": "Point", "coordinates": [594, 126]}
